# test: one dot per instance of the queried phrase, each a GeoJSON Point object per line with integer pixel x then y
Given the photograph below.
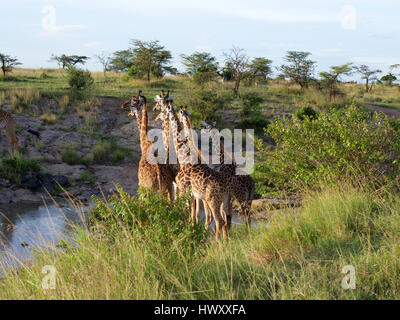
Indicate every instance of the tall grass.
{"type": "Point", "coordinates": [299, 256]}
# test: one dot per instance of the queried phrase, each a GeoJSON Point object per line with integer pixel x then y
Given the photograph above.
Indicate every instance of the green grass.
{"type": "Point", "coordinates": [14, 168]}
{"type": "Point", "coordinates": [300, 256]}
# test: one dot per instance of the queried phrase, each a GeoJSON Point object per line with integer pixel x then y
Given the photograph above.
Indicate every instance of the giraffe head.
{"type": "Point", "coordinates": [135, 104]}
{"type": "Point", "coordinates": [208, 126]}
{"type": "Point", "coordinates": [184, 117]}
{"type": "Point", "coordinates": [162, 101]}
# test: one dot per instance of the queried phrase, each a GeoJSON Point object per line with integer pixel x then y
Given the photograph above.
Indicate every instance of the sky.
{"type": "Point", "coordinates": [334, 31]}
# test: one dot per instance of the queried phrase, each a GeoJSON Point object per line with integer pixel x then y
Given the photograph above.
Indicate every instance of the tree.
{"type": "Point", "coordinates": [259, 68]}
{"type": "Point", "coordinates": [8, 63]}
{"type": "Point", "coordinates": [150, 58]}
{"type": "Point", "coordinates": [237, 60]}
{"type": "Point", "coordinates": [64, 61]}
{"type": "Point", "coordinates": [300, 69]}
{"type": "Point", "coordinates": [368, 75]}
{"type": "Point", "coordinates": [389, 79]}
{"type": "Point", "coordinates": [104, 59]}
{"type": "Point", "coordinates": [121, 60]}
{"type": "Point", "coordinates": [199, 62]}
{"type": "Point", "coordinates": [332, 77]}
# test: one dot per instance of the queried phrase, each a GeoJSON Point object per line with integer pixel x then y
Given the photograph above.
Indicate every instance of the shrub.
{"type": "Point", "coordinates": [153, 220]}
{"type": "Point", "coordinates": [250, 103]}
{"type": "Point", "coordinates": [44, 75]}
{"type": "Point", "coordinates": [340, 144]}
{"type": "Point", "coordinates": [49, 118]}
{"type": "Point", "coordinates": [70, 157]}
{"type": "Point", "coordinates": [14, 169]}
{"type": "Point", "coordinates": [118, 156]}
{"type": "Point", "coordinates": [306, 112]}
{"type": "Point", "coordinates": [79, 80]}
{"type": "Point", "coordinates": [63, 103]}
{"type": "Point", "coordinates": [205, 102]}
{"type": "Point", "coordinates": [255, 121]}
{"type": "Point", "coordinates": [102, 150]}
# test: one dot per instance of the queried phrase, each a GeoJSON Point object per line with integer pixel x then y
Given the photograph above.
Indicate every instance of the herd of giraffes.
{"type": "Point", "coordinates": [214, 187]}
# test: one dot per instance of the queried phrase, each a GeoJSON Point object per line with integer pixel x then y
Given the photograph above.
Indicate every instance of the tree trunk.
{"type": "Point", "coordinates": [237, 83]}
{"type": "Point", "coordinates": [367, 85]}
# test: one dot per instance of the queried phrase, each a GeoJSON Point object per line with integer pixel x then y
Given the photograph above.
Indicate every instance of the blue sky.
{"type": "Point", "coordinates": [334, 31]}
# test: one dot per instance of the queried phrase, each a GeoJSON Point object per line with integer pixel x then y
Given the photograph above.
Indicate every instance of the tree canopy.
{"type": "Point", "coordinates": [150, 58]}
{"type": "Point", "coordinates": [8, 63]}
{"type": "Point", "coordinates": [64, 61]}
{"type": "Point", "coordinates": [300, 69]}
{"type": "Point", "coordinates": [199, 62]}
{"type": "Point", "coordinates": [368, 74]}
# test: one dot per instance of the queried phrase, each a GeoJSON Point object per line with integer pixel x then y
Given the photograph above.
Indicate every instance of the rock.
{"type": "Point", "coordinates": [66, 170]}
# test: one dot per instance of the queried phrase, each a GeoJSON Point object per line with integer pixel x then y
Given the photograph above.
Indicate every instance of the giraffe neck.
{"type": "Point", "coordinates": [189, 134]}
{"type": "Point", "coordinates": [181, 145]}
{"type": "Point", "coordinates": [166, 137]}
{"type": "Point", "coordinates": [144, 142]}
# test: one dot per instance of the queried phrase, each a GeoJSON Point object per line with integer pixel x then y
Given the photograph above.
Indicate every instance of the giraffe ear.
{"type": "Point", "coordinates": [189, 112]}
{"type": "Point", "coordinates": [175, 107]}
{"type": "Point", "coordinates": [157, 98]}
{"type": "Point", "coordinates": [203, 123]}
{"type": "Point", "coordinates": [170, 98]}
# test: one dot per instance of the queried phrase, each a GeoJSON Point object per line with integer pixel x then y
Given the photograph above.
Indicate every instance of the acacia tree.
{"type": "Point", "coordinates": [300, 69]}
{"type": "Point", "coordinates": [237, 61]}
{"type": "Point", "coordinates": [121, 60]}
{"type": "Point", "coordinates": [104, 59]}
{"type": "Point", "coordinates": [199, 62]}
{"type": "Point", "coordinates": [149, 57]}
{"type": "Point", "coordinates": [368, 74]}
{"type": "Point", "coordinates": [259, 68]}
{"type": "Point", "coordinates": [64, 61]}
{"type": "Point", "coordinates": [332, 77]}
{"type": "Point", "coordinates": [8, 63]}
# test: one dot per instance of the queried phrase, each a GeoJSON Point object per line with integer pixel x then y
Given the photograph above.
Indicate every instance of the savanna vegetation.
{"type": "Point", "coordinates": [318, 140]}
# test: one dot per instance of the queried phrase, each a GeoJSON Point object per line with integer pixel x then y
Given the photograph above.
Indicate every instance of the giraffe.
{"type": "Point", "coordinates": [183, 178]}
{"type": "Point", "coordinates": [155, 176]}
{"type": "Point", "coordinates": [243, 185]}
{"type": "Point", "coordinates": [7, 122]}
{"type": "Point", "coordinates": [206, 184]}
{"type": "Point", "coordinates": [162, 102]}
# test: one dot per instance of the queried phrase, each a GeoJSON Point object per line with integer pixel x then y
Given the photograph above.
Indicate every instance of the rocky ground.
{"type": "Point", "coordinates": [55, 138]}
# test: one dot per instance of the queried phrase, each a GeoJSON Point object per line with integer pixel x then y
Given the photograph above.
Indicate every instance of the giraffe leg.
{"type": "Point", "coordinates": [12, 140]}
{"type": "Point", "coordinates": [197, 213]}
{"type": "Point", "coordinates": [208, 215]}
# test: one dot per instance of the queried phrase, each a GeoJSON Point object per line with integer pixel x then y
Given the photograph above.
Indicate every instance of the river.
{"type": "Point", "coordinates": [24, 227]}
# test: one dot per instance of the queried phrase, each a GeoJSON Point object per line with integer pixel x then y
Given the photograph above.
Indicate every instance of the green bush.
{"type": "Point", "coordinates": [306, 112]}
{"type": "Point", "coordinates": [152, 219]}
{"type": "Point", "coordinates": [102, 150]}
{"type": "Point", "coordinates": [250, 103]}
{"type": "Point", "coordinates": [108, 151]}
{"type": "Point", "coordinates": [13, 169]}
{"type": "Point", "coordinates": [118, 156]}
{"type": "Point", "coordinates": [79, 80]}
{"type": "Point", "coordinates": [70, 156]}
{"type": "Point", "coordinates": [341, 144]}
{"type": "Point", "coordinates": [205, 102]}
{"type": "Point", "coordinates": [254, 121]}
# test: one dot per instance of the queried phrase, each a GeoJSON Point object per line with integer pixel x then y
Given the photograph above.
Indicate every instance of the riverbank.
{"type": "Point", "coordinates": [301, 255]}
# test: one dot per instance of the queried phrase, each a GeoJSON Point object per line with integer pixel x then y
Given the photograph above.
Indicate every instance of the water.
{"type": "Point", "coordinates": [24, 227]}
